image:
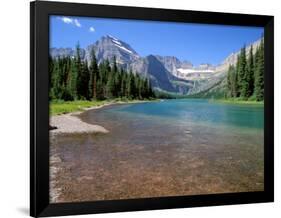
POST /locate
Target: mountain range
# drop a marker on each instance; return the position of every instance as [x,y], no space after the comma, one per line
[166,73]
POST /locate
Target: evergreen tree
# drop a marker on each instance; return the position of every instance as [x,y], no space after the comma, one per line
[117,82]
[73,78]
[114,69]
[71,85]
[238,87]
[123,82]
[259,73]
[51,75]
[242,83]
[75,74]
[234,80]
[55,79]
[139,86]
[110,86]
[103,71]
[84,81]
[93,75]
[80,71]
[130,86]
[249,77]
[229,84]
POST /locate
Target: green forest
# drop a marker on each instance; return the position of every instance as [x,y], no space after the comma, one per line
[75,79]
[246,80]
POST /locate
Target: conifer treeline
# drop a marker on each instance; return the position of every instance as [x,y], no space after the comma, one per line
[246,79]
[73,79]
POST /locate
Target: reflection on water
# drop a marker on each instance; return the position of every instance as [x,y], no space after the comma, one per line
[178,147]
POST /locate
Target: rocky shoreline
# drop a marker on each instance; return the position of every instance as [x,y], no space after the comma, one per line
[68,123]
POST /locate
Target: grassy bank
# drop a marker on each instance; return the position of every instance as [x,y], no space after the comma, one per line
[63,107]
[237,101]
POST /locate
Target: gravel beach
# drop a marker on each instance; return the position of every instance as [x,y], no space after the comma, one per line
[68,123]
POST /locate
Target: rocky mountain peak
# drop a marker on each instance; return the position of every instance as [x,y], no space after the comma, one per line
[109,47]
[166,73]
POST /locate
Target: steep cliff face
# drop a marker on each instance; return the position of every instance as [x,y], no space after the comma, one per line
[160,74]
[166,73]
[171,63]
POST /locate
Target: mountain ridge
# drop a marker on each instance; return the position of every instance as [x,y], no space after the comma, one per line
[166,73]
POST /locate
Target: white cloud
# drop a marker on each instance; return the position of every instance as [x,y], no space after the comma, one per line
[92,29]
[67,20]
[77,23]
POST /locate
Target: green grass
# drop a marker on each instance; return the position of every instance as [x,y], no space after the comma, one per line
[62,107]
[237,101]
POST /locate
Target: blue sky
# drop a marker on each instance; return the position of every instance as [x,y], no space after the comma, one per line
[198,43]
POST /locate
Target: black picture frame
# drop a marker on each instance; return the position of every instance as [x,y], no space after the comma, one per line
[39,108]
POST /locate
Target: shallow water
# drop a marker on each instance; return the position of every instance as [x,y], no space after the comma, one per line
[169,148]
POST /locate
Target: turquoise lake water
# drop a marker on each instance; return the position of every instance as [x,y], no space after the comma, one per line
[165,148]
[196,110]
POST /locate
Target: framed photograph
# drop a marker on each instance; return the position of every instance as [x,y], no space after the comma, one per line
[144,108]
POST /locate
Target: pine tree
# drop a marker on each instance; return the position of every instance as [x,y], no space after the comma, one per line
[110,86]
[72,78]
[123,82]
[117,82]
[147,89]
[114,69]
[51,74]
[131,90]
[69,96]
[234,83]
[242,83]
[103,72]
[259,73]
[249,77]
[85,76]
[229,82]
[100,94]
[93,75]
[71,85]
[75,74]
[129,86]
[237,75]
[56,88]
[79,68]
[139,86]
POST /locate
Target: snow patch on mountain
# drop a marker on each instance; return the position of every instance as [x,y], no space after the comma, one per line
[125,49]
[188,71]
[116,42]
[112,37]
[194,74]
